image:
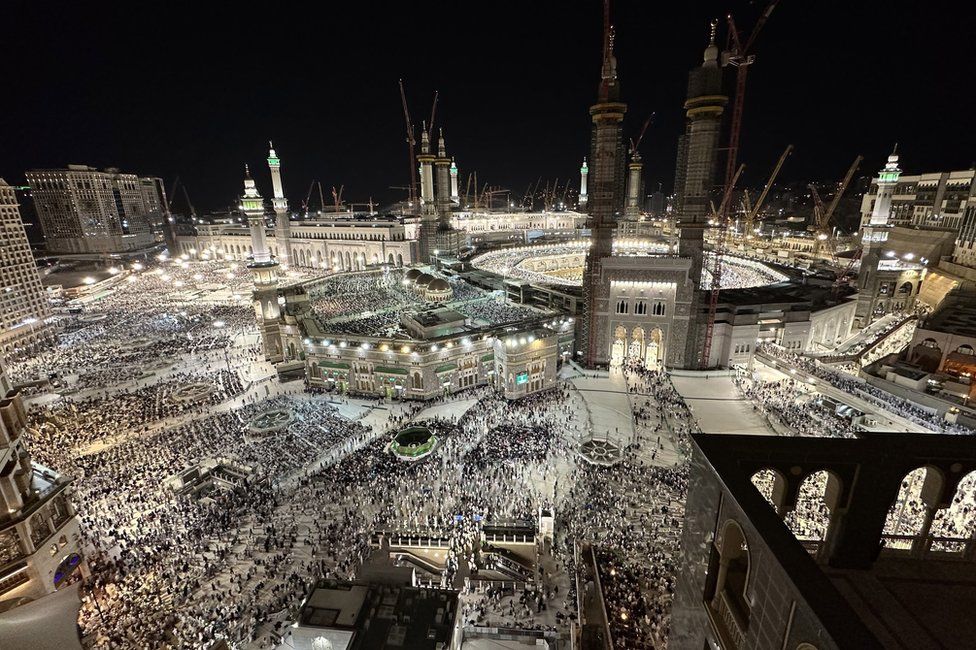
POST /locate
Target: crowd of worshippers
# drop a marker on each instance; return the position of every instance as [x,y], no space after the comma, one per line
[185,571]
[370,304]
[860,388]
[152,552]
[106,414]
[788,403]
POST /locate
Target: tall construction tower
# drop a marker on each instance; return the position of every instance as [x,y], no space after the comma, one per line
[448,240]
[699,156]
[282,224]
[606,199]
[265,272]
[428,207]
[700,142]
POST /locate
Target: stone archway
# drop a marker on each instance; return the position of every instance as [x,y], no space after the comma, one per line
[635,350]
[619,346]
[654,352]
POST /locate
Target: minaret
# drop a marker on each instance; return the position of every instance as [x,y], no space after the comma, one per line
[584,172]
[700,145]
[265,272]
[634,168]
[428,208]
[252,205]
[887,180]
[873,235]
[448,240]
[282,224]
[455,198]
[607,156]
[442,167]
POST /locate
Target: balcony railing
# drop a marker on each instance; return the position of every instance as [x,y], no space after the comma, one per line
[942,548]
[735,627]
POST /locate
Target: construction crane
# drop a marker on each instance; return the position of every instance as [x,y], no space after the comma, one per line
[741,57]
[823,216]
[308,198]
[433,112]
[647,123]
[411,146]
[717,252]
[337,197]
[751,212]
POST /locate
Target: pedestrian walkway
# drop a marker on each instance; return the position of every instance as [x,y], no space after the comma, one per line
[719,407]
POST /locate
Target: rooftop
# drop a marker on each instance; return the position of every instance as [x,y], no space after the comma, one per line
[381,616]
[862,599]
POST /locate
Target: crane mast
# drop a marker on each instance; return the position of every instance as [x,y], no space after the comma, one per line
[411,146]
[753,211]
[741,57]
[824,216]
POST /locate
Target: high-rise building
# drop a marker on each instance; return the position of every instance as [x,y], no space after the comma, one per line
[933,200]
[23,302]
[698,154]
[428,209]
[85,210]
[606,195]
[40,545]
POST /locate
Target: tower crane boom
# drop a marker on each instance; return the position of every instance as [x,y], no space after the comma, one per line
[753,211]
[411,144]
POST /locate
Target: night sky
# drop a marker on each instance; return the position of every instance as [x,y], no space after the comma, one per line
[167,88]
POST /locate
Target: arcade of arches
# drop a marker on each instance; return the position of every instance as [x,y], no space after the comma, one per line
[637,345]
[916,523]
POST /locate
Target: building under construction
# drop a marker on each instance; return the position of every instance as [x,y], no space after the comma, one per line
[656,309]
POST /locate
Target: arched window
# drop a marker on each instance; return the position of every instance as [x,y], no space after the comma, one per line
[765,482]
[623,306]
[729,599]
[640,307]
[809,518]
[953,526]
[906,515]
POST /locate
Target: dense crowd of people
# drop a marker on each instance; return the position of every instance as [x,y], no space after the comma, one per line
[370,304]
[928,418]
[156,389]
[563,264]
[791,407]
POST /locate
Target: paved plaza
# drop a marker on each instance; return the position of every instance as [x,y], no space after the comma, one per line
[718,405]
